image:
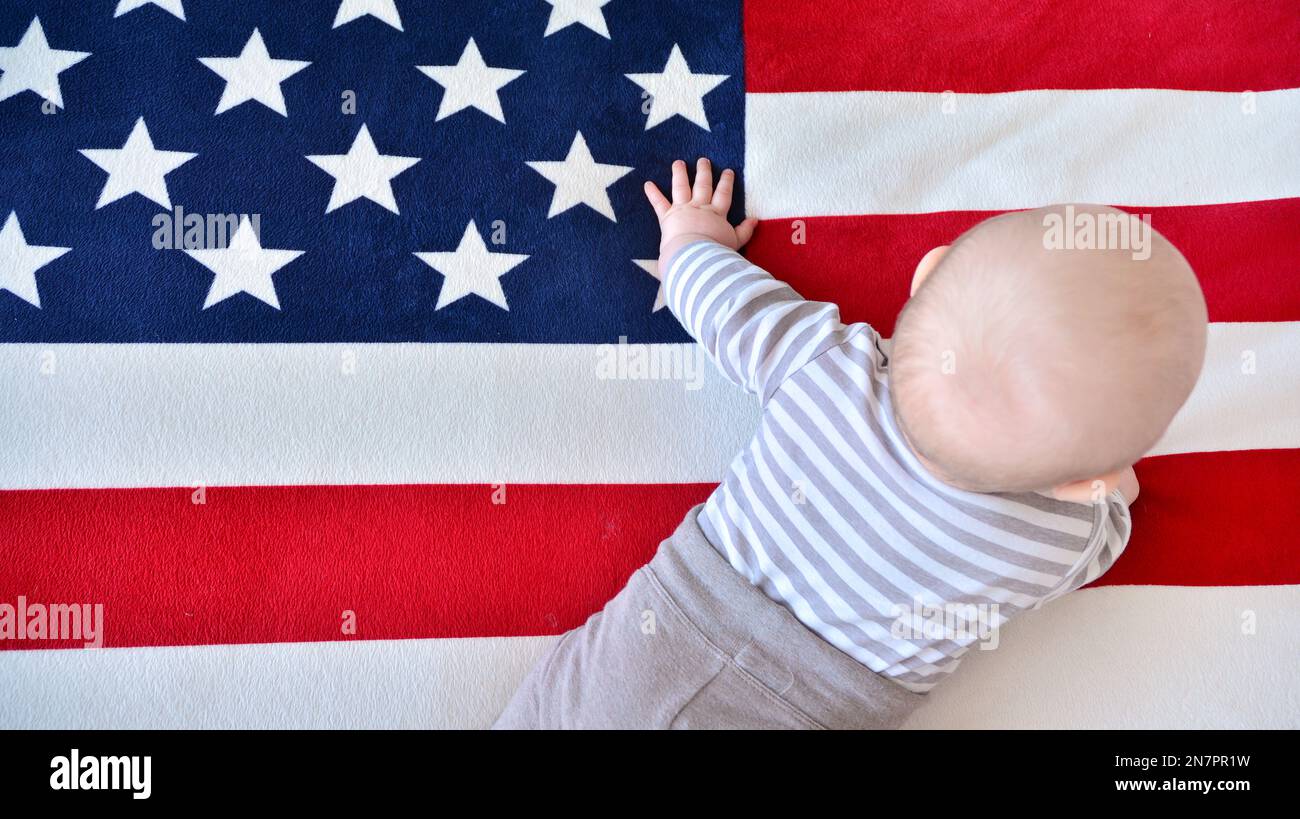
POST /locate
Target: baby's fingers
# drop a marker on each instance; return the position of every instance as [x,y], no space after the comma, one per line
[703,182]
[722,196]
[681,184]
[745,231]
[657,199]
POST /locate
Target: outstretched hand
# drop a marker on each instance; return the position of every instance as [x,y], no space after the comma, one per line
[697,213]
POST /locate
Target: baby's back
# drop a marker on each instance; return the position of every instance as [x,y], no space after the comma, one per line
[828,510]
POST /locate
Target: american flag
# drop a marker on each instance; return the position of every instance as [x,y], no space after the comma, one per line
[308,309]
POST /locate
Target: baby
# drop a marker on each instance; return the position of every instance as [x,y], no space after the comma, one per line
[898,503]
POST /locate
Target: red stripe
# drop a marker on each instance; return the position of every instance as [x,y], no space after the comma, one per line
[281,564]
[1244,253]
[1012,45]
[1214,519]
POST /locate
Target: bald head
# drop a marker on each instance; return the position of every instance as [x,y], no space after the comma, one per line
[1047,346]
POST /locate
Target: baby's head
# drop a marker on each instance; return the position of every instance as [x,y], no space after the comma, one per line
[1023,362]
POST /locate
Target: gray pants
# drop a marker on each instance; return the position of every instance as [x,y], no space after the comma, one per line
[689,643]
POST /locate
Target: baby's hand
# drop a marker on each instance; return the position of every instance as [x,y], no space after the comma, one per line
[697,214]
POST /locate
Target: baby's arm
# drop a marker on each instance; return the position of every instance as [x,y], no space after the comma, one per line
[758,330]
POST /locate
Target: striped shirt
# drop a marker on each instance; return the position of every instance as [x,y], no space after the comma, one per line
[829,512]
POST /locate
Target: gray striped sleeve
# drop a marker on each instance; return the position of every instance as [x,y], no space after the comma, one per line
[756,329]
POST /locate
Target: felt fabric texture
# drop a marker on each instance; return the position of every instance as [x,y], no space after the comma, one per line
[175,415]
[1004,45]
[1244,255]
[1118,657]
[1004,151]
[358,279]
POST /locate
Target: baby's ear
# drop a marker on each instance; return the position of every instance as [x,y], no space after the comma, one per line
[1089,490]
[927,264]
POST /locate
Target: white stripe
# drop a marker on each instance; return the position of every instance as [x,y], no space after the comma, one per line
[284,414]
[1249,393]
[365,684]
[1060,667]
[183,415]
[1134,657]
[849,153]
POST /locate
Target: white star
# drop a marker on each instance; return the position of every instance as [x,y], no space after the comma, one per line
[33,66]
[19,261]
[174,6]
[651,266]
[676,91]
[362,172]
[253,75]
[581,180]
[136,167]
[565,13]
[472,270]
[470,83]
[243,266]
[385,10]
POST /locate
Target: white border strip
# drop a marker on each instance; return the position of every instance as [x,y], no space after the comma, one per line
[1116,657]
[850,153]
[268,415]
[366,684]
[1135,657]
